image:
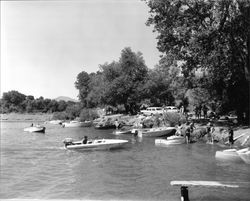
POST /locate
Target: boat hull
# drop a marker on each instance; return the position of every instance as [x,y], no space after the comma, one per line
[228,155]
[55,122]
[159,132]
[118,132]
[101,126]
[103,144]
[173,140]
[35,129]
[76,124]
[245,155]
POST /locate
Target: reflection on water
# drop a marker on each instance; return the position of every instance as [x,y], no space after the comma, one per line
[35,165]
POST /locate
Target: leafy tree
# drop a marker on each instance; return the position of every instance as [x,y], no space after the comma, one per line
[97,90]
[73,111]
[88,114]
[62,105]
[156,89]
[13,100]
[212,36]
[124,87]
[81,84]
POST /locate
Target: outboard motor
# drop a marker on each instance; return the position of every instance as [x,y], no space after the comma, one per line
[68,141]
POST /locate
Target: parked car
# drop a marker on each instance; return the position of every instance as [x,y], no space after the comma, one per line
[231,116]
[152,111]
[171,109]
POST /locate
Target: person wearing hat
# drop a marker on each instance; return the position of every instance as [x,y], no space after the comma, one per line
[85,140]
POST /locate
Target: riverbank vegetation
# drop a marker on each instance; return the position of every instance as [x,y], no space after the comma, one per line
[205,60]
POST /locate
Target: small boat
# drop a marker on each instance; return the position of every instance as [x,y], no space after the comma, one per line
[97,144]
[73,124]
[104,126]
[36,128]
[228,155]
[122,131]
[244,154]
[158,132]
[137,130]
[55,122]
[172,140]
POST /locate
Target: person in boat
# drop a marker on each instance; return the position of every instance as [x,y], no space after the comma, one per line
[85,140]
[231,136]
[187,133]
[31,125]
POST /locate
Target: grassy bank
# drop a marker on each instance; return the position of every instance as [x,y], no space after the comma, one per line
[26,117]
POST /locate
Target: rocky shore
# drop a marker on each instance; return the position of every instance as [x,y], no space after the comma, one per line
[199,134]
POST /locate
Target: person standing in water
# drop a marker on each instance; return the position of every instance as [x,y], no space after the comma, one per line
[187,133]
[179,130]
[117,124]
[231,136]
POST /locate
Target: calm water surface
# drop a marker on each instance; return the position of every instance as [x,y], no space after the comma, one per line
[36,166]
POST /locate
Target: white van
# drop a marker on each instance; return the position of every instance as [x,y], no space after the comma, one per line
[152,111]
[171,109]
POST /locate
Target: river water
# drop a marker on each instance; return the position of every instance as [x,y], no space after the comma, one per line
[36,166]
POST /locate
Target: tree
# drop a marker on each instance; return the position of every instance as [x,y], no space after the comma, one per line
[82,84]
[212,36]
[127,76]
[13,100]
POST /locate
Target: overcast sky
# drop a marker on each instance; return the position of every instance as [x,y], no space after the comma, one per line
[46,44]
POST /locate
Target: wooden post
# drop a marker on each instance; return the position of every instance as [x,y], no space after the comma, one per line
[184,193]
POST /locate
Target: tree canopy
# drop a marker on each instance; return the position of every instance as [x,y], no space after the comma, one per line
[212,36]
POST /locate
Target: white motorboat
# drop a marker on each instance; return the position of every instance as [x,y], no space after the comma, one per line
[97,144]
[244,154]
[73,124]
[158,132]
[172,140]
[122,131]
[36,128]
[228,155]
[55,122]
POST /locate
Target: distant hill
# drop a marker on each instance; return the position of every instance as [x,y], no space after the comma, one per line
[65,98]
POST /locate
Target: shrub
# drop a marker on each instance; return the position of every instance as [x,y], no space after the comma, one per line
[60,116]
[173,118]
[88,114]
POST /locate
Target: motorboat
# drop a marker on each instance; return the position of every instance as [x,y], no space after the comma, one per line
[158,132]
[36,128]
[102,125]
[56,122]
[137,130]
[122,131]
[228,155]
[244,154]
[73,124]
[96,144]
[172,140]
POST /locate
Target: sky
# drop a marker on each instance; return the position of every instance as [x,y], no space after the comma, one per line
[46,44]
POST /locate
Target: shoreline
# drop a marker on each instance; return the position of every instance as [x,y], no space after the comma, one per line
[44,117]
[25,117]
